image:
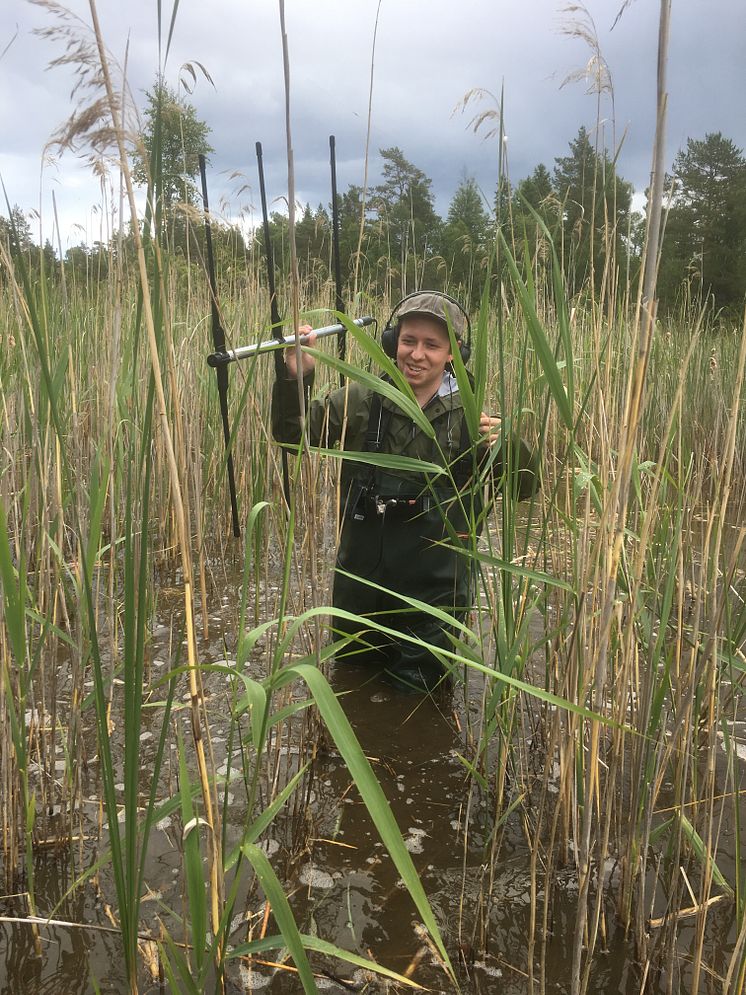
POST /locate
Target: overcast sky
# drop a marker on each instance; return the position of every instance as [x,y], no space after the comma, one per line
[429,53]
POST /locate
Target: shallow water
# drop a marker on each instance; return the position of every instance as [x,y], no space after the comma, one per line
[360,905]
[344,886]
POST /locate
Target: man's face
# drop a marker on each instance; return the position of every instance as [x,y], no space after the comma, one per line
[423,352]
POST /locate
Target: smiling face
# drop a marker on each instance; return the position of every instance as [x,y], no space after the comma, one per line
[423,351]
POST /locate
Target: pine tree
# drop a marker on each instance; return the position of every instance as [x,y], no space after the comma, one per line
[350,211]
[705,238]
[405,206]
[536,194]
[466,239]
[15,230]
[595,209]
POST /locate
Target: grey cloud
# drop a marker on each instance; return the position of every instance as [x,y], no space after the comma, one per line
[428,54]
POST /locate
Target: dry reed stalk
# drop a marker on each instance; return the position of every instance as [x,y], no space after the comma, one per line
[736,973]
[619,503]
[193,447]
[304,471]
[294,275]
[643,690]
[216,884]
[719,514]
[358,252]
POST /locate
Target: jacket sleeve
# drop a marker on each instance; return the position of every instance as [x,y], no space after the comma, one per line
[513,468]
[286,407]
[325,416]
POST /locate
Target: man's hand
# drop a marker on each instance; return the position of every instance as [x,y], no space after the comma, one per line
[489,426]
[308,361]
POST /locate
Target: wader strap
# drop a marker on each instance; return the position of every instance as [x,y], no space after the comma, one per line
[378,425]
[463,466]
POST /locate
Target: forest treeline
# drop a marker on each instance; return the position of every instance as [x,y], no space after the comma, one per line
[392,239]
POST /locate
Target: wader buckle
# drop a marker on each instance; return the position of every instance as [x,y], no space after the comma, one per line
[407,506]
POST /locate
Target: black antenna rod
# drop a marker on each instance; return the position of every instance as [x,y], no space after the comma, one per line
[339,302]
[274,310]
[218,338]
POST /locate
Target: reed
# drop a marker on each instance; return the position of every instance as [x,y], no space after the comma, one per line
[678,628]
[607,644]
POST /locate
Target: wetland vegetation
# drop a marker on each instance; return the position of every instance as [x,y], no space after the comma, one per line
[192,799]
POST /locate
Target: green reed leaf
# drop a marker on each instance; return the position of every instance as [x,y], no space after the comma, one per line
[370,791]
[192,861]
[539,339]
[386,461]
[701,852]
[405,401]
[282,913]
[320,946]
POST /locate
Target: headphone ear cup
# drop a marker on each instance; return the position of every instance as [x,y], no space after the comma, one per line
[465,350]
[389,339]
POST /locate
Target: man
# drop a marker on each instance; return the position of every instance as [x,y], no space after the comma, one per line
[397,526]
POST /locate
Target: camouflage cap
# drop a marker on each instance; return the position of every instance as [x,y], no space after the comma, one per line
[432,303]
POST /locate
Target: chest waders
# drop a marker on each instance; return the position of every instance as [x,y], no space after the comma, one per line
[392,533]
[395,526]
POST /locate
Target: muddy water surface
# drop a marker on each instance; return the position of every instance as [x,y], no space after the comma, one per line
[344,886]
[352,894]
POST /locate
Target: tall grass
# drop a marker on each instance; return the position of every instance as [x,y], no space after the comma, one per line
[148,436]
[607,645]
[675,664]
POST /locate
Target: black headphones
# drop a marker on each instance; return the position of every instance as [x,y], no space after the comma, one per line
[390,333]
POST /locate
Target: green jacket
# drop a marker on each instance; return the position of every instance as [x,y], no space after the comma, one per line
[326,422]
[395,522]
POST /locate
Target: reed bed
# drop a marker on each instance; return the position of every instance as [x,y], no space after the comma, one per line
[90,541]
[607,648]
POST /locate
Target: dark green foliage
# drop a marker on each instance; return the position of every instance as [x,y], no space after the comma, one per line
[404,206]
[350,212]
[175,137]
[535,195]
[595,211]
[15,231]
[16,239]
[77,262]
[467,240]
[167,161]
[393,240]
[312,242]
[537,188]
[705,235]
[400,244]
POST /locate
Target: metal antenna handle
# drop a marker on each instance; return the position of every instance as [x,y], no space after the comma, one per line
[217,359]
